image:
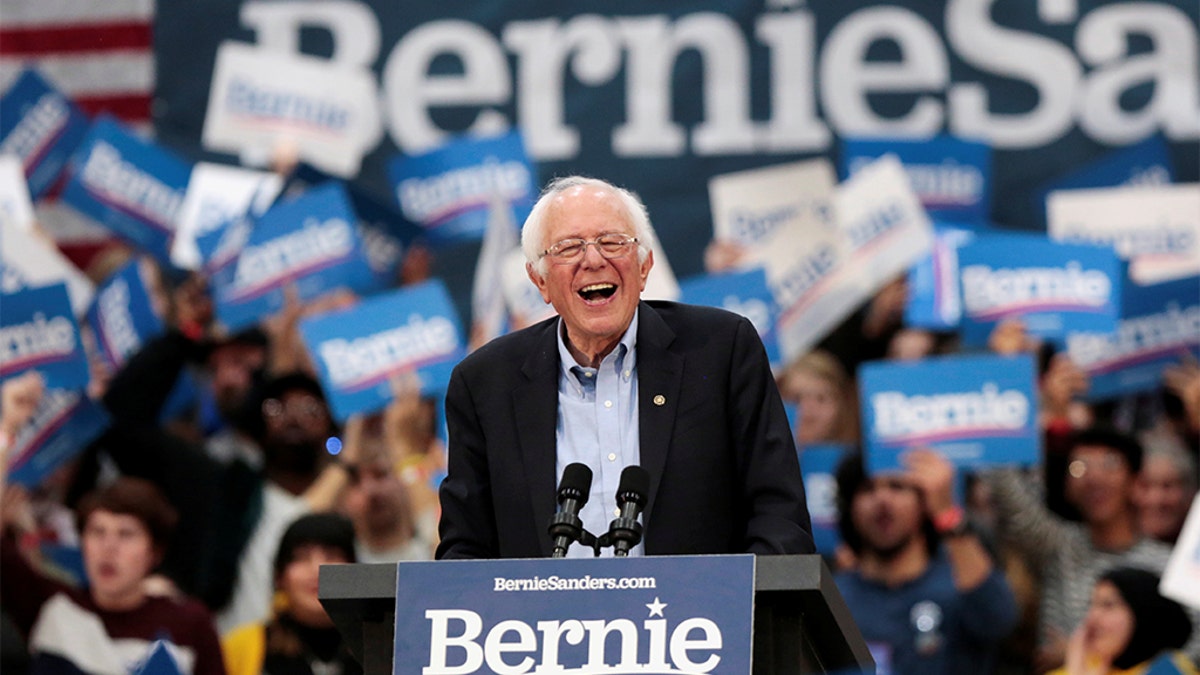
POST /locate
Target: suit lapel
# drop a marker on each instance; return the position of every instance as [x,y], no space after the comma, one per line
[535,405]
[660,373]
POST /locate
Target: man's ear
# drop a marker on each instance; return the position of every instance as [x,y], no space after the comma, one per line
[537,281]
[645,268]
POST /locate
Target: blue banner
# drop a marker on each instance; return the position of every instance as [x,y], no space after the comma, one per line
[358,351]
[1053,288]
[1144,163]
[41,127]
[951,176]
[310,241]
[122,317]
[448,191]
[38,332]
[131,186]
[818,465]
[975,410]
[934,299]
[678,614]
[63,425]
[744,293]
[662,96]
[1159,328]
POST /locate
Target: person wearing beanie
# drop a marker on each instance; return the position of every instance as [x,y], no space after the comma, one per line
[1128,627]
[300,638]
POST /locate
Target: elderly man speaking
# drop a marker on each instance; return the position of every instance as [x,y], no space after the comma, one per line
[612,381]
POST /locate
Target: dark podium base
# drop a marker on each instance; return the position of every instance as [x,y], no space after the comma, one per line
[801,623]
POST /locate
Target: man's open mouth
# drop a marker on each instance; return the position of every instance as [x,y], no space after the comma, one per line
[597,292]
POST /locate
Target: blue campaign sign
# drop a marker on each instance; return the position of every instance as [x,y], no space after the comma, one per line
[449,190]
[63,425]
[309,241]
[1054,288]
[934,299]
[122,317]
[951,176]
[976,410]
[1144,163]
[744,293]
[1159,328]
[41,127]
[653,615]
[131,186]
[358,351]
[385,232]
[818,465]
[38,332]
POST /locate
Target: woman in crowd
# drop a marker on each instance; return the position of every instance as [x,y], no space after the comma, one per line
[1128,627]
[300,638]
[819,386]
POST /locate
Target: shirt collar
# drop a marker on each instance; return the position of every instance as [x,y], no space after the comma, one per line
[626,355]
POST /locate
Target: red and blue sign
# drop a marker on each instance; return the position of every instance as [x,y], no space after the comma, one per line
[976,410]
[360,350]
[310,242]
[1052,288]
[131,186]
[449,191]
[38,332]
[1159,328]
[41,127]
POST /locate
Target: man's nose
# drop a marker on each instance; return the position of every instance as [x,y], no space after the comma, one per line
[592,256]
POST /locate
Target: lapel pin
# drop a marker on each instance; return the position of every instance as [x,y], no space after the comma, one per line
[660,399]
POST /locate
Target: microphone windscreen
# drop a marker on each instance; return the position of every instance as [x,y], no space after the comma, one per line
[576,482]
[635,484]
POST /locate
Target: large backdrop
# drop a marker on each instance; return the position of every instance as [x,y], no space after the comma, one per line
[659,96]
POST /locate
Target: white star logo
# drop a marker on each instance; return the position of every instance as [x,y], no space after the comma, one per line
[656,607]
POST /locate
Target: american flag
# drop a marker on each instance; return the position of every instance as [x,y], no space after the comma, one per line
[98,52]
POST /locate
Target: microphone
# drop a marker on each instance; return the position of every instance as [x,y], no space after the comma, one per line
[565,526]
[625,532]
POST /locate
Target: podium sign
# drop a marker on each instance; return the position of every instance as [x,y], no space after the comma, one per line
[689,614]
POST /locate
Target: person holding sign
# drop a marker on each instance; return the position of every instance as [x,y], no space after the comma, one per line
[1102,465]
[925,593]
[685,392]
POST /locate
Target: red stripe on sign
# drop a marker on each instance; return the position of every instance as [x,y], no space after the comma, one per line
[42,40]
[127,107]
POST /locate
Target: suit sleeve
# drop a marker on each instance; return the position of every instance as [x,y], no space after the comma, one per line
[468,526]
[778,520]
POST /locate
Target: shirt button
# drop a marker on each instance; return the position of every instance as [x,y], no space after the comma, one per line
[617,512]
[587,374]
[627,374]
[612,456]
[608,404]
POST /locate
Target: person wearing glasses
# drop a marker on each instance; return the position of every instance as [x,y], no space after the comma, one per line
[684,392]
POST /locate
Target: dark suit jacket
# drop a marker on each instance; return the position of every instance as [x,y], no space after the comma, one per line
[724,476]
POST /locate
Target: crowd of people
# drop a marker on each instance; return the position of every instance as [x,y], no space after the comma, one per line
[205,527]
[1017,578]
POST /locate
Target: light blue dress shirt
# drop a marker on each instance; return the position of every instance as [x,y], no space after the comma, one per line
[598,426]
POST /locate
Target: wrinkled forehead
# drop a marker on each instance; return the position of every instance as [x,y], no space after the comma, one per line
[586,210]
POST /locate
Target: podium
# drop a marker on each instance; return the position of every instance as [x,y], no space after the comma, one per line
[801,623]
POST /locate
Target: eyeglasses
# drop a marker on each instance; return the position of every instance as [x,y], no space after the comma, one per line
[302,407]
[1079,468]
[567,251]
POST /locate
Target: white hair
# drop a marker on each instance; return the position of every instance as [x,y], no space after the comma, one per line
[533,233]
